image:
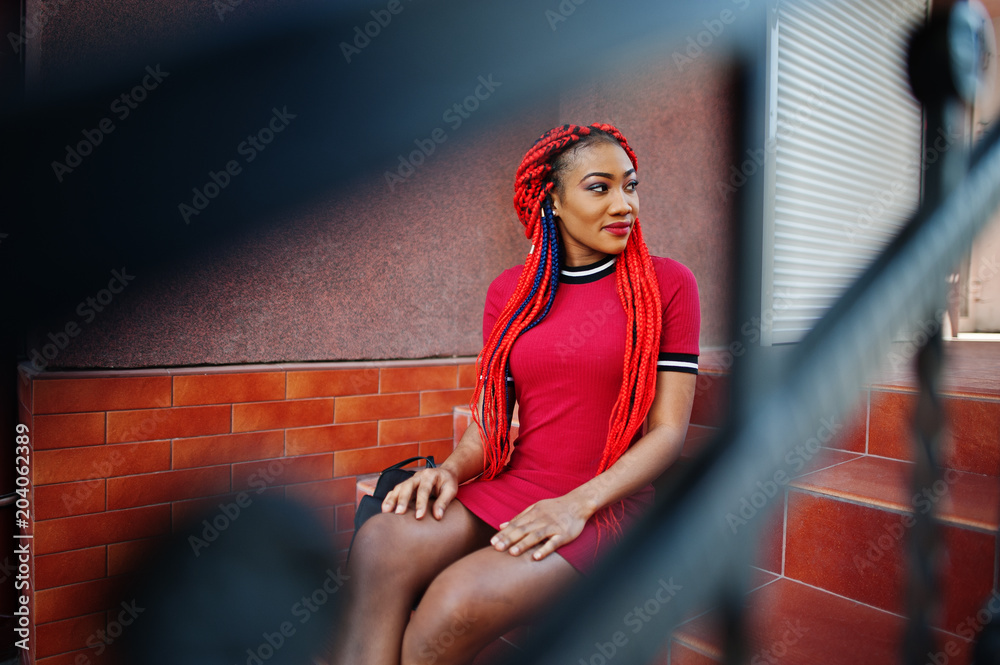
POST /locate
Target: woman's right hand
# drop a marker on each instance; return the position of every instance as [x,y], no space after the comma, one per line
[438,482]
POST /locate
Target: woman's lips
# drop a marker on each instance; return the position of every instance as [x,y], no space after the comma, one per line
[619,228]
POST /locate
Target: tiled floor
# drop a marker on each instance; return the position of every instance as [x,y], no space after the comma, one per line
[842,546]
[795,624]
[972,368]
[968,499]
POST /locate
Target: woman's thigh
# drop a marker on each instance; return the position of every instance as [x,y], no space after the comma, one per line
[479,598]
[393,546]
[393,559]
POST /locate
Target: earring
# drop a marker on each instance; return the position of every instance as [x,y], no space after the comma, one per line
[547,209]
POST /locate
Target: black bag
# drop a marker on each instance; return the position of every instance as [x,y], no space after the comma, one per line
[387,479]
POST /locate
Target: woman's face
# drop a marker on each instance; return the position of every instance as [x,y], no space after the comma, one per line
[597,204]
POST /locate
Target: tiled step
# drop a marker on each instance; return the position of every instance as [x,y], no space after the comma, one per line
[970,389]
[972,435]
[791,623]
[838,547]
[846,529]
[970,370]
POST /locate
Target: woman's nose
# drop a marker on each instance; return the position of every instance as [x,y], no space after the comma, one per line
[621,204]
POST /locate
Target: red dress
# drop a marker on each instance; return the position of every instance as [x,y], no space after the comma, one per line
[567,373]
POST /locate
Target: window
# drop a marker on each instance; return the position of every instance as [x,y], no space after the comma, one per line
[843,151]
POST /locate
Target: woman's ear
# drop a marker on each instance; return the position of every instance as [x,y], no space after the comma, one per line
[554,202]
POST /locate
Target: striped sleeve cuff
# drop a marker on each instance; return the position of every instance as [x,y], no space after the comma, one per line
[677,362]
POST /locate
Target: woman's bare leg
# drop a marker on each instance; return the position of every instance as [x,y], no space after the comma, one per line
[479,598]
[393,560]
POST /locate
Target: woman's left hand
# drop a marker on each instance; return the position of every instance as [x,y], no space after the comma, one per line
[550,522]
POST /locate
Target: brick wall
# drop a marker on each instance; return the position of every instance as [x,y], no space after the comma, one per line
[121,460]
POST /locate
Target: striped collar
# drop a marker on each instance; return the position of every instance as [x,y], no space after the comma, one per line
[588,273]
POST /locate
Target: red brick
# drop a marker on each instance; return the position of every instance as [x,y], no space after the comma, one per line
[345,517]
[227,448]
[167,486]
[228,388]
[307,440]
[415,379]
[61,636]
[192,511]
[376,407]
[409,430]
[323,493]
[73,533]
[332,383]
[327,517]
[65,499]
[443,401]
[66,431]
[280,415]
[54,570]
[132,555]
[117,394]
[440,449]
[70,464]
[371,460]
[74,600]
[364,486]
[147,425]
[467,376]
[283,471]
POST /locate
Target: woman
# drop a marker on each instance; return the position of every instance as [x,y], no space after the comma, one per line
[596,337]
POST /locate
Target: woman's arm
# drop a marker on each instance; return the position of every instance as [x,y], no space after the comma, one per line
[467,460]
[464,463]
[555,522]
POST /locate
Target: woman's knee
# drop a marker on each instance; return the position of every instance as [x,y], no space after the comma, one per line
[380,546]
[400,548]
[445,622]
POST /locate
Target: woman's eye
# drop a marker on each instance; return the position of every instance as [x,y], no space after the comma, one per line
[632,185]
[598,187]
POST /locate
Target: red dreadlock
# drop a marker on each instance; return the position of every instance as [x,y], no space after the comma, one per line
[638,291]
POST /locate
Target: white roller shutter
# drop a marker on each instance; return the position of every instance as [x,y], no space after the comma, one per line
[843,151]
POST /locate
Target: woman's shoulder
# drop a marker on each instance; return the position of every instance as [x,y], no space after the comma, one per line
[504,284]
[510,274]
[672,274]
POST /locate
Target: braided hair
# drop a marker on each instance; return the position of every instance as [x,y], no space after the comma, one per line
[536,288]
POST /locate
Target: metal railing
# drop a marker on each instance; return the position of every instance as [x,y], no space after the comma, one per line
[684,547]
[685,541]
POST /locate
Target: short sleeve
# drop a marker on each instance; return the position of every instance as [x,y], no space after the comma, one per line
[681,317]
[497,295]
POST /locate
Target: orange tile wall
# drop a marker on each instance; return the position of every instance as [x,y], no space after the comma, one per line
[121,460]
